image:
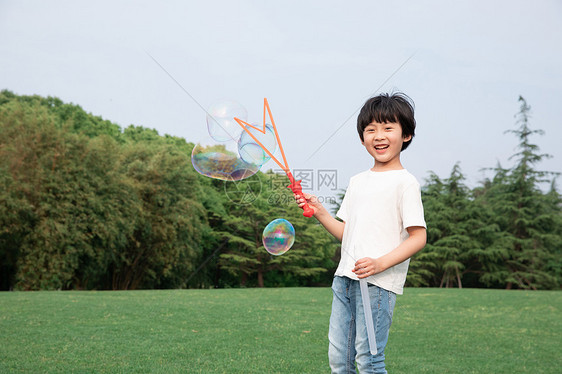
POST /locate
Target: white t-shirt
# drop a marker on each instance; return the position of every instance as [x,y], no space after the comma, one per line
[377,209]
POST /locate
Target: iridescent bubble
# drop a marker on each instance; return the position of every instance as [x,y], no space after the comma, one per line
[249,149]
[221,161]
[278,236]
[220,120]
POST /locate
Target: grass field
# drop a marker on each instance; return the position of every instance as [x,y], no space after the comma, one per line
[272,331]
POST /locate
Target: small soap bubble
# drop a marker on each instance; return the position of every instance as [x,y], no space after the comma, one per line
[250,151]
[220,120]
[221,160]
[278,236]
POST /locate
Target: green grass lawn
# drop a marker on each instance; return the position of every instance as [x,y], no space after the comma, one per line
[272,331]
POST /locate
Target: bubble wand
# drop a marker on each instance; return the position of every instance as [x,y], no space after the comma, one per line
[295,185]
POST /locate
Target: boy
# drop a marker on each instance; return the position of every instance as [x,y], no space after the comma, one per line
[382,227]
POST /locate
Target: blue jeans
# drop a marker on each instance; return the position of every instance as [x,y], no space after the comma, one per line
[348,332]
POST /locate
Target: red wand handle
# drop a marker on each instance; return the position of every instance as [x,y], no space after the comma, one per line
[295,186]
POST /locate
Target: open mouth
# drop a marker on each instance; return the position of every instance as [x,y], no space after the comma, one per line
[381,147]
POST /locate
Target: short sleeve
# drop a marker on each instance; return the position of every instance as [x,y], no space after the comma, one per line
[343,211]
[411,207]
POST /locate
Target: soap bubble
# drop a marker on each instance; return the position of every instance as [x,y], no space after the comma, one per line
[278,236]
[220,120]
[229,153]
[221,160]
[249,149]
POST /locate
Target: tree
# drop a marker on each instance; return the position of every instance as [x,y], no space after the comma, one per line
[452,221]
[85,211]
[64,114]
[56,177]
[166,233]
[528,243]
[243,227]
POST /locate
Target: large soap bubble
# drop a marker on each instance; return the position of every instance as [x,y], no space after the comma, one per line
[221,160]
[220,120]
[278,236]
[229,153]
[249,149]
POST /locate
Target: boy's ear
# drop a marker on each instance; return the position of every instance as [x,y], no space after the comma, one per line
[407,138]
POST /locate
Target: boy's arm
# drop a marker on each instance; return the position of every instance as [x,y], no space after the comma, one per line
[332,225]
[416,241]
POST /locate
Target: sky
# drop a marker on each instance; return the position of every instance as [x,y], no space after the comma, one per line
[463,63]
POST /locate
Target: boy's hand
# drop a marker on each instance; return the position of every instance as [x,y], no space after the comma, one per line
[366,267]
[331,224]
[311,200]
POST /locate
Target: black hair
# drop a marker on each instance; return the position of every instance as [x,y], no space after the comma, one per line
[385,108]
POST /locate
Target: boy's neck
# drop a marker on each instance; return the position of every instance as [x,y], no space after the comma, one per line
[381,166]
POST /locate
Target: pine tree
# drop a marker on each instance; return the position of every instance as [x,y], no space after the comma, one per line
[452,218]
[528,240]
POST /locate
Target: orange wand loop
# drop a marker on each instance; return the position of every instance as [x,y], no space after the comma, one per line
[295,185]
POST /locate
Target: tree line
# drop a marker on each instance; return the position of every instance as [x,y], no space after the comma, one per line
[86,204]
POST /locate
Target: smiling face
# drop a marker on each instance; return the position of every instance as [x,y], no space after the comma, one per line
[384,142]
